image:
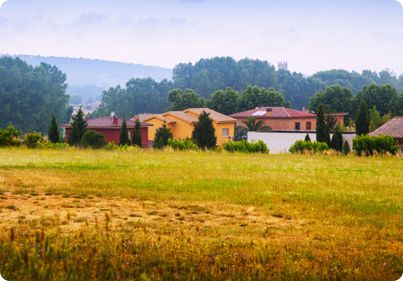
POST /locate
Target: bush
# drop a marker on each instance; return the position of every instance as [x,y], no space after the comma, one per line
[367,145]
[93,139]
[246,147]
[346,148]
[9,136]
[33,139]
[162,135]
[182,144]
[308,147]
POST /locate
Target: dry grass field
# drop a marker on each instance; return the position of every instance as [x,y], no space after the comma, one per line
[150,215]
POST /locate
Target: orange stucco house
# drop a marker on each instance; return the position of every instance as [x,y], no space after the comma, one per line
[181,124]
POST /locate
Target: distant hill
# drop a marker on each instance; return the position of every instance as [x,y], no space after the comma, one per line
[87,78]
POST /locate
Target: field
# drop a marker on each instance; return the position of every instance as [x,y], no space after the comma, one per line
[149,215]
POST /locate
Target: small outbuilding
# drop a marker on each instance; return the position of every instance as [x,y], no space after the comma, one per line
[393,128]
[111,127]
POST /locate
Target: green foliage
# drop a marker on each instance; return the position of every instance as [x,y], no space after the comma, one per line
[334,98]
[162,136]
[362,120]
[255,96]
[92,139]
[204,133]
[9,136]
[29,95]
[254,125]
[225,101]
[384,97]
[186,144]
[33,139]
[308,147]
[375,119]
[183,99]
[124,134]
[307,138]
[137,134]
[246,147]
[346,148]
[337,142]
[241,133]
[367,145]
[79,127]
[53,132]
[322,127]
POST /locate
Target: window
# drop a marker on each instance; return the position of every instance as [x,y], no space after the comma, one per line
[225,132]
[308,125]
[298,126]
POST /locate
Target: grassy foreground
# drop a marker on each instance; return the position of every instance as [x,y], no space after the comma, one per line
[147,215]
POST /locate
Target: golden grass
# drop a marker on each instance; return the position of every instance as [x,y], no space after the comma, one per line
[150,215]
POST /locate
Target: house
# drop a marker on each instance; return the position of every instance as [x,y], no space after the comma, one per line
[285,119]
[111,127]
[393,128]
[181,123]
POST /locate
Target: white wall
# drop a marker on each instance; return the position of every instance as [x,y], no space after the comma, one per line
[280,142]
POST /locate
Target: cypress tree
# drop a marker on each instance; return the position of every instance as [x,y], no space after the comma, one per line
[346,148]
[162,135]
[337,141]
[137,134]
[53,133]
[322,129]
[124,135]
[74,135]
[307,138]
[204,133]
[375,119]
[361,121]
[79,126]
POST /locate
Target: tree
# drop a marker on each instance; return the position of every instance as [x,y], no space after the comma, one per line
[346,148]
[162,136]
[225,101]
[255,125]
[79,126]
[337,141]
[53,132]
[124,135]
[93,139]
[183,99]
[137,133]
[255,96]
[322,129]
[384,97]
[204,133]
[375,119]
[361,121]
[334,98]
[308,138]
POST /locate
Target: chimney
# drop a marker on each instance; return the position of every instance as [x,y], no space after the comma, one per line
[115,120]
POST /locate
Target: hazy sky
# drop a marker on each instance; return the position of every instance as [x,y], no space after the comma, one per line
[311,35]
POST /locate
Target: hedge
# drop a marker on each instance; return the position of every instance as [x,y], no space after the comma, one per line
[367,145]
[246,147]
[307,146]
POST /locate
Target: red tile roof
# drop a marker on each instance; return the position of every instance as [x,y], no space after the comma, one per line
[107,122]
[393,128]
[273,112]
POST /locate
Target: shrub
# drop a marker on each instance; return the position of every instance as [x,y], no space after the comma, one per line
[9,136]
[33,139]
[162,135]
[246,147]
[308,147]
[182,144]
[93,139]
[346,148]
[367,145]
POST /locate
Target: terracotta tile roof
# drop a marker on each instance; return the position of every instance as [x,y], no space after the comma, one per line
[107,122]
[182,115]
[216,116]
[393,128]
[160,117]
[273,112]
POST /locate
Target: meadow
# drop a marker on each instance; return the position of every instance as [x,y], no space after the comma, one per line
[163,215]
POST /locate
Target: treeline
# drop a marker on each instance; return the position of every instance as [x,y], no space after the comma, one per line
[29,95]
[224,84]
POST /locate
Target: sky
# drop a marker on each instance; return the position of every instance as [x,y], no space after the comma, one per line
[311,35]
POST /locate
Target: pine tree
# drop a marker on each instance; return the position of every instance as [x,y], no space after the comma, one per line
[307,138]
[162,135]
[79,126]
[204,133]
[124,135]
[322,128]
[375,119]
[337,141]
[53,133]
[361,121]
[137,134]
[346,148]
[74,135]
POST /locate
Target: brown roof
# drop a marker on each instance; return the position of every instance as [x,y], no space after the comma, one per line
[393,128]
[273,112]
[160,117]
[107,122]
[216,116]
[182,115]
